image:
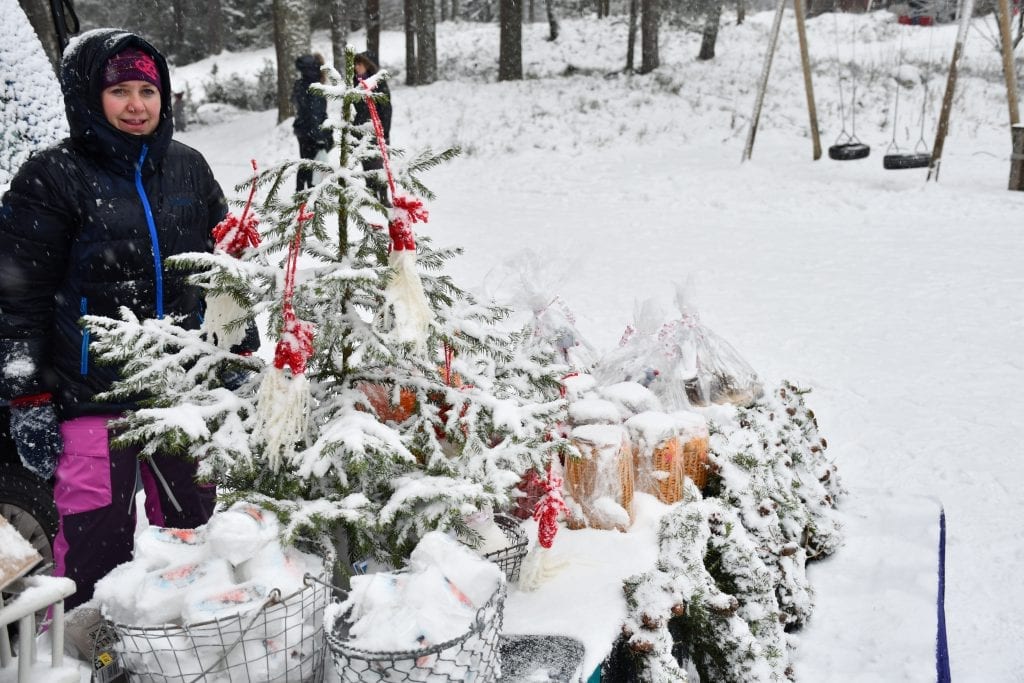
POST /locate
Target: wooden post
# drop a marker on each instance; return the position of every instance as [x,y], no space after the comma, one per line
[1009,72]
[805,61]
[765,70]
[966,12]
[1017,160]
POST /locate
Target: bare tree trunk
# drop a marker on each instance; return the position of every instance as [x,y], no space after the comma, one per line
[411,73]
[214,27]
[531,17]
[455,10]
[373,27]
[741,11]
[650,18]
[39,15]
[552,21]
[510,45]
[339,34]
[178,34]
[426,42]
[710,37]
[291,39]
[631,41]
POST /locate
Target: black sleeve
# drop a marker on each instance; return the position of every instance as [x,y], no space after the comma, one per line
[36,231]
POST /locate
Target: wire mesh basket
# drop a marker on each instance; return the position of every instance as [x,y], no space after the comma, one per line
[281,641]
[474,656]
[510,559]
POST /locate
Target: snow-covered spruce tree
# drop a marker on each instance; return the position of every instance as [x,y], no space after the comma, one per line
[710,600]
[31,109]
[769,465]
[731,572]
[402,436]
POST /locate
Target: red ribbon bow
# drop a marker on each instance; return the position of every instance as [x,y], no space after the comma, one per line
[234,235]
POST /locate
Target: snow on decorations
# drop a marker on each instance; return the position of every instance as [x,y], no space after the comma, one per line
[731,583]
[436,621]
[188,595]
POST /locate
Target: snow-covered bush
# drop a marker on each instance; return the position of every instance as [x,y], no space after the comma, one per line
[731,578]
[31,108]
[255,94]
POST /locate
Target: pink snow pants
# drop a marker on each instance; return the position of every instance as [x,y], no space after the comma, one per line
[94,489]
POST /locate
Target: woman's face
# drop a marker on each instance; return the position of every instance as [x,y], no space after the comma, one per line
[132,107]
[360,69]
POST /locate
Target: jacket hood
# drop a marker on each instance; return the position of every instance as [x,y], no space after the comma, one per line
[81,79]
[308,67]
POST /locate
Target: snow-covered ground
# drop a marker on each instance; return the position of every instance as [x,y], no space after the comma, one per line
[899,302]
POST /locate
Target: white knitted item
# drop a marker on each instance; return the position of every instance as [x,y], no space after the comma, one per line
[405,294]
[539,565]
[282,414]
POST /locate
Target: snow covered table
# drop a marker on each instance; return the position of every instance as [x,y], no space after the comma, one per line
[585,599]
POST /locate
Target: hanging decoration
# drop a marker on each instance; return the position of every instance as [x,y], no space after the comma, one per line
[539,565]
[232,236]
[283,400]
[404,291]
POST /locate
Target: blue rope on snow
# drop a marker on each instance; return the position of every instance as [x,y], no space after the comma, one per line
[941,646]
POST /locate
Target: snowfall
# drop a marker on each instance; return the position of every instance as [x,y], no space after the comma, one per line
[899,302]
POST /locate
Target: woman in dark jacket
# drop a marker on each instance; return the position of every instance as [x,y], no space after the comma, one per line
[366,67]
[86,228]
[310,114]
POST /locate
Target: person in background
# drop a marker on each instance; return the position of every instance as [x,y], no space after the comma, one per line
[180,112]
[366,66]
[310,114]
[85,228]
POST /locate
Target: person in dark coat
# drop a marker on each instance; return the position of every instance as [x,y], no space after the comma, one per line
[366,66]
[310,114]
[85,228]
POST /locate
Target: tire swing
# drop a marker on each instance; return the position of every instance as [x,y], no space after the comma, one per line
[921,157]
[847,146]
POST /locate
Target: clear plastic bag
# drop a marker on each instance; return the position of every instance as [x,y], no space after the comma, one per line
[679,359]
[526,283]
[712,371]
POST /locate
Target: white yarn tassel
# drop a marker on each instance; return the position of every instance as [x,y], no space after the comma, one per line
[539,565]
[282,415]
[221,311]
[405,294]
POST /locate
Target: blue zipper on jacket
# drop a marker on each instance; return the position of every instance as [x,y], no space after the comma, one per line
[157,262]
[85,339]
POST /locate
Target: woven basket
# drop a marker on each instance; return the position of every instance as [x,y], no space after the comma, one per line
[667,460]
[582,478]
[695,460]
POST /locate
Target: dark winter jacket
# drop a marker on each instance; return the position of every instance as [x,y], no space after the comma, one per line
[362,109]
[310,109]
[86,227]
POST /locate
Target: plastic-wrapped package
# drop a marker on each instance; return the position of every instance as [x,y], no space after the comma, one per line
[241,531]
[600,483]
[163,546]
[682,361]
[711,369]
[280,568]
[527,283]
[162,593]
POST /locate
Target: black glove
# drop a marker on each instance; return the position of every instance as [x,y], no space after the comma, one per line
[36,433]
